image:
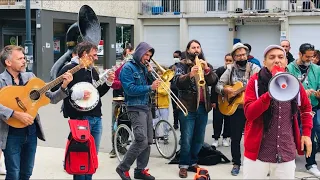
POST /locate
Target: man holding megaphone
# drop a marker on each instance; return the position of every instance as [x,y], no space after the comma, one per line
[272,134]
[309,75]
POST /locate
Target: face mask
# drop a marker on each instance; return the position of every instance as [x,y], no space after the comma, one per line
[176,60]
[242,63]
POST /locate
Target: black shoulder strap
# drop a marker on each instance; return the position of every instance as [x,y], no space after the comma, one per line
[306,74]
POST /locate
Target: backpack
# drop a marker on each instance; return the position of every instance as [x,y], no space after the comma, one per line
[201,174]
[80,155]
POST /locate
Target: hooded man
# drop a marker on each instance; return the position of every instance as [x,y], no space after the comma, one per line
[137,86]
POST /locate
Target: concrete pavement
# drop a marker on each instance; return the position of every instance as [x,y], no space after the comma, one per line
[50,153]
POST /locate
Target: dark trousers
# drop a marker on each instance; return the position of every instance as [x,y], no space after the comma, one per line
[19,156]
[176,109]
[237,122]
[314,132]
[139,151]
[218,119]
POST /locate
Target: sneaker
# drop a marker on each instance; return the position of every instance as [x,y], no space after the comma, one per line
[2,170]
[112,154]
[215,143]
[235,170]
[176,126]
[314,170]
[143,174]
[225,142]
[123,174]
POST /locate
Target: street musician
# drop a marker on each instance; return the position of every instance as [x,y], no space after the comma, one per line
[240,71]
[192,78]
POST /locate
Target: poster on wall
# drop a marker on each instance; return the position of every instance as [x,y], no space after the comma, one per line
[56,45]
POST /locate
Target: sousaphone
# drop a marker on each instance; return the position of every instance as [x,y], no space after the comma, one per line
[87,28]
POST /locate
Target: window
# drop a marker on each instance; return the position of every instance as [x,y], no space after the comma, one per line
[254,4]
[171,5]
[216,5]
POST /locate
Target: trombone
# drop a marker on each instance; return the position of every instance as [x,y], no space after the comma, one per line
[165,78]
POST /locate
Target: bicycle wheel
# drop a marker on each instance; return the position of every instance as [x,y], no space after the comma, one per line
[123,138]
[165,142]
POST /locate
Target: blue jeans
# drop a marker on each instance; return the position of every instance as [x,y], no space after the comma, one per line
[19,156]
[314,132]
[193,129]
[95,124]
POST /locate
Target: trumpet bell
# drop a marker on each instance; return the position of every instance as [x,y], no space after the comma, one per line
[167,75]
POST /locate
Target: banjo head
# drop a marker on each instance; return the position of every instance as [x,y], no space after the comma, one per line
[89,104]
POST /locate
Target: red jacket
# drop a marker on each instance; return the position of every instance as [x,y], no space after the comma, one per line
[116,83]
[253,110]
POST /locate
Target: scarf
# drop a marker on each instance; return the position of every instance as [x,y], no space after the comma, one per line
[264,77]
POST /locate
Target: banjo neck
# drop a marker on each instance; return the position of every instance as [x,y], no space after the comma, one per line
[103,76]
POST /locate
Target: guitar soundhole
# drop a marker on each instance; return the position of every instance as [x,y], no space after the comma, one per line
[34,95]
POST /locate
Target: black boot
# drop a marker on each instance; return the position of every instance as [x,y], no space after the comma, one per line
[143,174]
[123,174]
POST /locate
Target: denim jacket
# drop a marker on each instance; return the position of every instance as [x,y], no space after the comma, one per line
[134,79]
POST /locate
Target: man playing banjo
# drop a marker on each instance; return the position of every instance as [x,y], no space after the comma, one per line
[91,76]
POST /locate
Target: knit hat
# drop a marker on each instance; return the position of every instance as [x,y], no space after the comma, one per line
[238,46]
[273,47]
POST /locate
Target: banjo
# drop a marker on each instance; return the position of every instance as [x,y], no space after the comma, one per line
[93,100]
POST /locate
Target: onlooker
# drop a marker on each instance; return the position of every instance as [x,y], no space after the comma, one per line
[316,57]
[218,117]
[285,44]
[309,73]
[176,110]
[251,58]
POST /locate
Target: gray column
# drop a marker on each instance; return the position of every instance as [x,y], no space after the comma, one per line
[44,44]
[109,46]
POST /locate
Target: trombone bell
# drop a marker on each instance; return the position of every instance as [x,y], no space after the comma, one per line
[167,75]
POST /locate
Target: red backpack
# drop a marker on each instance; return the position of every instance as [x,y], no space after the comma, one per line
[80,155]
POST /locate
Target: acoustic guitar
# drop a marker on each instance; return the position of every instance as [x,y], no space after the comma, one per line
[228,104]
[30,97]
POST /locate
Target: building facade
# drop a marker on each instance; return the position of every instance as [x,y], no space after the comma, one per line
[50,20]
[168,25]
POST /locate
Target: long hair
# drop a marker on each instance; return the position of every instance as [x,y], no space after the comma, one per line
[188,56]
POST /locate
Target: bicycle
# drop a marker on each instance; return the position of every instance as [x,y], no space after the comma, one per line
[124,136]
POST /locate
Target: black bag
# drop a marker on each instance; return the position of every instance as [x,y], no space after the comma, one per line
[207,156]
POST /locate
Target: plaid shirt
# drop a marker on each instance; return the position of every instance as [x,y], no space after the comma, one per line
[278,143]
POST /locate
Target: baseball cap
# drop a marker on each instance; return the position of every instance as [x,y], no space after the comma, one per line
[273,47]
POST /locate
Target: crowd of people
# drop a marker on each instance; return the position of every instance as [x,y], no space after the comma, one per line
[274,131]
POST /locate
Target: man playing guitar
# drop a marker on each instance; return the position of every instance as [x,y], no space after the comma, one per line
[86,75]
[19,144]
[241,70]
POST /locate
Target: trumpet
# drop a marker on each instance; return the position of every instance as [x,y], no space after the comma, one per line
[200,75]
[166,88]
[167,75]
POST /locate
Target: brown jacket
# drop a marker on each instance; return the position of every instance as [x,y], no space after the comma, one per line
[189,91]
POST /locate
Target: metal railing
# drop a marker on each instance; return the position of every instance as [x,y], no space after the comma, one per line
[175,7]
[304,6]
[159,7]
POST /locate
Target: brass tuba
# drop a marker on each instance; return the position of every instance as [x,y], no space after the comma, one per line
[87,28]
[200,75]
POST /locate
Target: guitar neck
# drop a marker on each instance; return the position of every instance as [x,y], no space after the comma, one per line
[241,90]
[58,80]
